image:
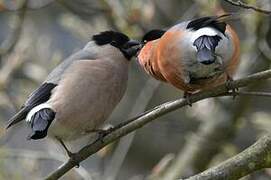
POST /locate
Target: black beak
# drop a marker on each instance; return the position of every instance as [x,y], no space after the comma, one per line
[131,43]
[132,47]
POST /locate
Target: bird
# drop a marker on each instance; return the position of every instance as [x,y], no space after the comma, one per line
[193,55]
[81,92]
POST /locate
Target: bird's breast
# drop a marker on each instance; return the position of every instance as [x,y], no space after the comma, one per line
[147,59]
[86,95]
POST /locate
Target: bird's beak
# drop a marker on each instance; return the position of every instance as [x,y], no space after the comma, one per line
[132,47]
[132,43]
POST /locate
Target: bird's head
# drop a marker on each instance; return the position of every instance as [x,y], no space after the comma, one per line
[152,35]
[122,42]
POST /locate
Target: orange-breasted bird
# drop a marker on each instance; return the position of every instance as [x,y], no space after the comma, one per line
[192,55]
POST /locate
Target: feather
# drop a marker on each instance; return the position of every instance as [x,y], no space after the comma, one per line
[40,123]
[18,116]
[39,96]
[153,35]
[216,22]
[209,42]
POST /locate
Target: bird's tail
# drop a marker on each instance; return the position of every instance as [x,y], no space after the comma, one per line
[228,17]
[40,119]
[21,115]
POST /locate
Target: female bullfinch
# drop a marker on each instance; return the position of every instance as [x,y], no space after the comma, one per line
[80,93]
[192,55]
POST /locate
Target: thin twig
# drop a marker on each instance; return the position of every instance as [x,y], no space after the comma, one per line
[247,6]
[142,120]
[249,93]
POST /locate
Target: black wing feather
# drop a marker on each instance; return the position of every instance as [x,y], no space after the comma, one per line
[216,22]
[40,95]
[153,35]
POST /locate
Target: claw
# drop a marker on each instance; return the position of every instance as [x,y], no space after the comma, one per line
[186,96]
[230,88]
[101,132]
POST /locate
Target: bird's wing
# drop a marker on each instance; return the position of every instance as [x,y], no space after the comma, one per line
[217,22]
[40,95]
[86,53]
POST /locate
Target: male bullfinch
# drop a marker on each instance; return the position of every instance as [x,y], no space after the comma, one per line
[192,55]
[80,93]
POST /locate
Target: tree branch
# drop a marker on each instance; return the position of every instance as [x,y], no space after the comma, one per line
[246,6]
[252,159]
[131,125]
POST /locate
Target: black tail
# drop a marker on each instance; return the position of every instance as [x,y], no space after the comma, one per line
[40,122]
[21,115]
[206,48]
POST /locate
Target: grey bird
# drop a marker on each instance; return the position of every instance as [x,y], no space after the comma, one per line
[81,92]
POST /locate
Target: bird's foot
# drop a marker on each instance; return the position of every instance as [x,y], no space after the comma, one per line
[101,133]
[186,96]
[72,156]
[230,88]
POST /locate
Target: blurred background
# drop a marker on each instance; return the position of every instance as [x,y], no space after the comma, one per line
[36,35]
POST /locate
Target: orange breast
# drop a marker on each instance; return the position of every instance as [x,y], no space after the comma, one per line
[148,60]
